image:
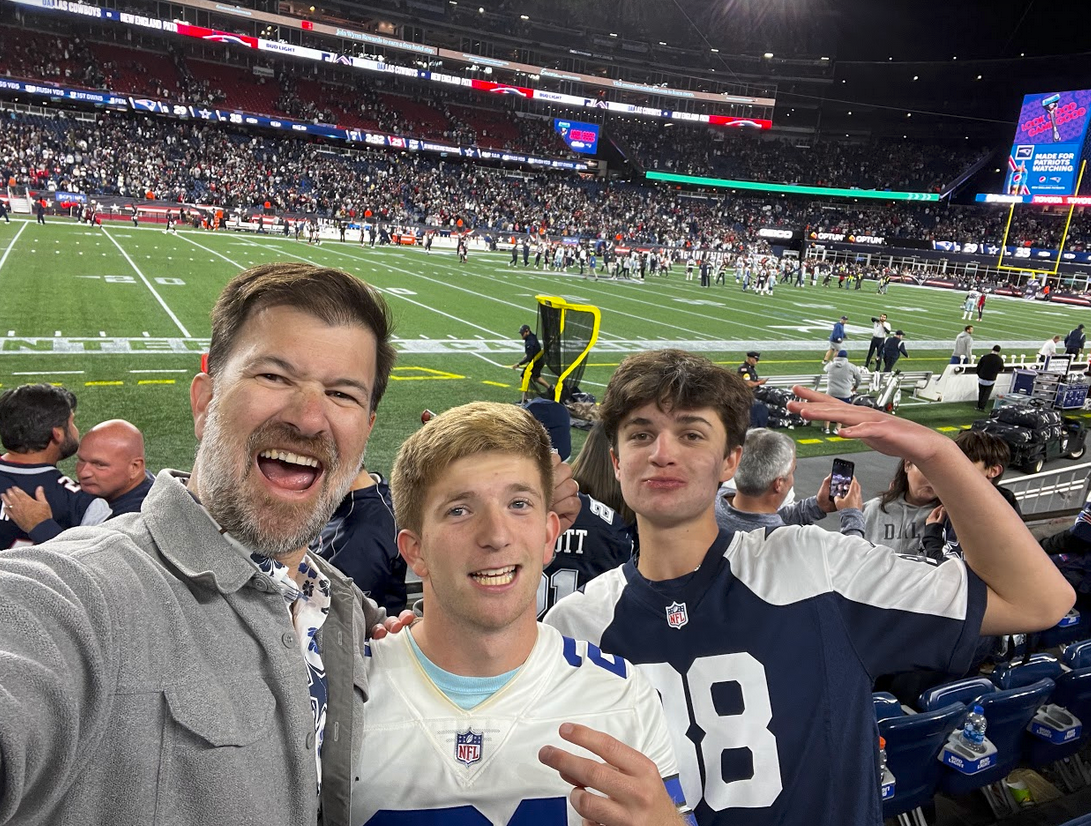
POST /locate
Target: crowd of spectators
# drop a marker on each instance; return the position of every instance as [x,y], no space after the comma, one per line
[146,158]
[895,165]
[331,93]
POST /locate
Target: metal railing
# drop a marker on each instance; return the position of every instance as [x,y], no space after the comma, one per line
[1059,491]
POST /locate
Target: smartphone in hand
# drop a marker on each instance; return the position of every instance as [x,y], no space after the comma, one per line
[841,478]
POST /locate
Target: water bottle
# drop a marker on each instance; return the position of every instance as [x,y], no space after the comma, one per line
[882,759]
[973,730]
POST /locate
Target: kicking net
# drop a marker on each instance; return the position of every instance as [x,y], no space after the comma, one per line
[567,332]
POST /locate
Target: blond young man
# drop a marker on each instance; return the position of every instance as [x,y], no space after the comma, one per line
[477,697]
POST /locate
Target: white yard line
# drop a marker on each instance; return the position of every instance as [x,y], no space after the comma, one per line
[12,244]
[148,284]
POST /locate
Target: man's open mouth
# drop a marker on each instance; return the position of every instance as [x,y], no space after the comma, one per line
[495,576]
[287,470]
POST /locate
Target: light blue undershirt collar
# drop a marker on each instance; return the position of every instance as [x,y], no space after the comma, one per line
[464,692]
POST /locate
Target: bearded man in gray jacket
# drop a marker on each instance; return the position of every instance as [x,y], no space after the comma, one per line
[192,663]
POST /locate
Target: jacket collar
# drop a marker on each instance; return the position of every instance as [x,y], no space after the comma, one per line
[189,538]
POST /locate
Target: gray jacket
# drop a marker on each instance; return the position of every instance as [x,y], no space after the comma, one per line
[841,377]
[804,512]
[964,346]
[151,675]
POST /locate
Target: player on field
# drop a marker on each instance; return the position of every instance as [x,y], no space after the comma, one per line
[470,707]
[37,429]
[764,645]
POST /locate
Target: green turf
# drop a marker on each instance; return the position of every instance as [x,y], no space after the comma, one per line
[151,293]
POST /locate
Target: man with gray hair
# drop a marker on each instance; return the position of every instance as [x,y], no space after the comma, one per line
[766,473]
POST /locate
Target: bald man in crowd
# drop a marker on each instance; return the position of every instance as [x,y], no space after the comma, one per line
[109,465]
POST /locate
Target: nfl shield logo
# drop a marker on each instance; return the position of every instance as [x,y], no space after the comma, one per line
[677,615]
[468,747]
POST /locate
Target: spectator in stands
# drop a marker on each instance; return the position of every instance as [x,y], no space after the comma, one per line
[473,491]
[593,470]
[175,590]
[38,430]
[893,349]
[990,455]
[842,379]
[988,368]
[772,610]
[765,476]
[1049,349]
[1074,342]
[964,346]
[361,539]
[897,517]
[110,465]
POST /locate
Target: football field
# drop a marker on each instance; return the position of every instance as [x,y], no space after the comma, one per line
[121,316]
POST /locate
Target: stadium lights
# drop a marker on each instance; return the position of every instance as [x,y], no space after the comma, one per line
[523,17]
[916,77]
[613,34]
[979,77]
[715,51]
[768,55]
[662,43]
[823,58]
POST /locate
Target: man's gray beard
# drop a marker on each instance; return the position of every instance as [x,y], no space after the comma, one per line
[223,497]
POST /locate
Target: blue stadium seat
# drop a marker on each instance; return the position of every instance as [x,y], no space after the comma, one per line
[1056,636]
[913,743]
[965,691]
[1008,713]
[1017,674]
[1077,690]
[886,705]
[1077,654]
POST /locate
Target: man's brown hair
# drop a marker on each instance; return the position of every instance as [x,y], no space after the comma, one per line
[478,427]
[677,380]
[332,296]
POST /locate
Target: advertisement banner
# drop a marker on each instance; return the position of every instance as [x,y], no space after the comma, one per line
[1045,155]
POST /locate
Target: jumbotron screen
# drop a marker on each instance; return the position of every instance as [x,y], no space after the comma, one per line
[1045,156]
[580,137]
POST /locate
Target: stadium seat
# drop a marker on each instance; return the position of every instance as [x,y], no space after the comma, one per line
[965,691]
[913,743]
[1072,687]
[1058,635]
[886,706]
[1018,674]
[1077,654]
[1008,713]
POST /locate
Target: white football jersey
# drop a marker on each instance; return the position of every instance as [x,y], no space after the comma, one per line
[425,761]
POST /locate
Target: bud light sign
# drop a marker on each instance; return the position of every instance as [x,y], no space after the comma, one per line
[580,137]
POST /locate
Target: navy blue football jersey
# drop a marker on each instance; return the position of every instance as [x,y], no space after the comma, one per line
[71,506]
[361,539]
[765,657]
[597,541]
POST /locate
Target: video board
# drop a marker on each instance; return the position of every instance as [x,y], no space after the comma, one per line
[1045,155]
[580,137]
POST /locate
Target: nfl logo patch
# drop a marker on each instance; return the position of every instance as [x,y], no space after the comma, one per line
[677,615]
[468,747]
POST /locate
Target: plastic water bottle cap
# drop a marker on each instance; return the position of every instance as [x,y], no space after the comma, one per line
[882,742]
[978,709]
